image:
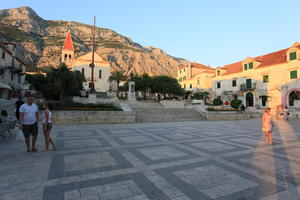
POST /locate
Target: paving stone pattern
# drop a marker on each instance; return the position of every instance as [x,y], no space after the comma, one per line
[224,160]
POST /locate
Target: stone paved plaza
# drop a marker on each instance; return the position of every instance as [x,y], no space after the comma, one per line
[187,160]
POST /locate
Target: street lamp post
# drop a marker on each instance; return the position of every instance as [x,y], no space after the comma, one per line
[92,65]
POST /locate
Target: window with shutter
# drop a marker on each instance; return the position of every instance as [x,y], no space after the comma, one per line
[266,78]
[248,83]
[293,74]
[250,65]
[233,83]
[293,56]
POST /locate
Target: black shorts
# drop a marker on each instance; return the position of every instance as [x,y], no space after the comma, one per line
[31,129]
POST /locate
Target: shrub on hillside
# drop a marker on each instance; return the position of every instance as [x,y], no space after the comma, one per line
[236,103]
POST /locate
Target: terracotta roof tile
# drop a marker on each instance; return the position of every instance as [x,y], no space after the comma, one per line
[233,68]
[198,65]
[266,60]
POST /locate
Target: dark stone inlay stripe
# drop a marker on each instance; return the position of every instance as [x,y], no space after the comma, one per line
[147,187]
[263,189]
[102,141]
[57,166]
[283,177]
[234,149]
[145,159]
[122,142]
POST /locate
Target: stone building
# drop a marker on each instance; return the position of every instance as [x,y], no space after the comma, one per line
[81,61]
[269,80]
[12,72]
[195,77]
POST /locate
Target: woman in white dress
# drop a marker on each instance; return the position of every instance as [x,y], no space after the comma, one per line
[47,127]
[267,125]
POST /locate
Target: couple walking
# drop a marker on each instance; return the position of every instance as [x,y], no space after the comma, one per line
[28,120]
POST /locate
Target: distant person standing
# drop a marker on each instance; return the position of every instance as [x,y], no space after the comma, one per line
[267,125]
[47,127]
[286,113]
[278,112]
[29,117]
[18,104]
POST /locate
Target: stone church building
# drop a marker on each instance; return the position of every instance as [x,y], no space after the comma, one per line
[81,62]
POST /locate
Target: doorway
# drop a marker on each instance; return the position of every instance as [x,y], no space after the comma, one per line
[249,99]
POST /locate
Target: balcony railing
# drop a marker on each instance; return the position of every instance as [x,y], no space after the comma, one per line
[248,87]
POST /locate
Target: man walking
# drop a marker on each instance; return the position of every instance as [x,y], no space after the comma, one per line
[29,117]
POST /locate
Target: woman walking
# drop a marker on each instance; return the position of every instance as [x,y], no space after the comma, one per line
[47,127]
[267,125]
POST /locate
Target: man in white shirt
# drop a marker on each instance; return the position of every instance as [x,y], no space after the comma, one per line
[29,118]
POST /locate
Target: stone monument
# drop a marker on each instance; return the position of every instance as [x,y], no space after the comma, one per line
[131,90]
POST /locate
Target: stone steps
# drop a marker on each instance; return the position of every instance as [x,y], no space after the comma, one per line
[144,115]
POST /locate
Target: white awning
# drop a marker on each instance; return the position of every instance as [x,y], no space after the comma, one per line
[4,85]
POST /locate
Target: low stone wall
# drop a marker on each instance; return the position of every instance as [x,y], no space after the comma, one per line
[172,104]
[215,115]
[295,115]
[96,100]
[63,117]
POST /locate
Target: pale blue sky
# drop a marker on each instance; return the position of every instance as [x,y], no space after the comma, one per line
[214,32]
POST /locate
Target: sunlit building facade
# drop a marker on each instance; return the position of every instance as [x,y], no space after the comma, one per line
[269,80]
[195,77]
[12,72]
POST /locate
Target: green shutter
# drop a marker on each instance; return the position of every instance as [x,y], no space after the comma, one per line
[245,66]
[233,83]
[293,56]
[248,83]
[265,78]
[251,65]
[293,74]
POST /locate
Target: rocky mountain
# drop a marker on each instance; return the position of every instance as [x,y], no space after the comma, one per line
[39,43]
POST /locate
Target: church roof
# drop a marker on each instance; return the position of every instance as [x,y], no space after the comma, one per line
[68,42]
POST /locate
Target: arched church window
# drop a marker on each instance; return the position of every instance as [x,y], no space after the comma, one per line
[100,74]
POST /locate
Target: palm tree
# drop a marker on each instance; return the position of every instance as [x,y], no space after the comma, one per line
[118,76]
[65,81]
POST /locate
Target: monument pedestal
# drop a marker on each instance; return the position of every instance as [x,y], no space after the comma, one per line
[131,93]
[92,97]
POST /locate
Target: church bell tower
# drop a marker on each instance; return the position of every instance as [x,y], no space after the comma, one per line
[67,52]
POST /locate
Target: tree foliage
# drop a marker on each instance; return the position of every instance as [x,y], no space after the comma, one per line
[217,102]
[236,103]
[58,83]
[201,96]
[166,85]
[118,76]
